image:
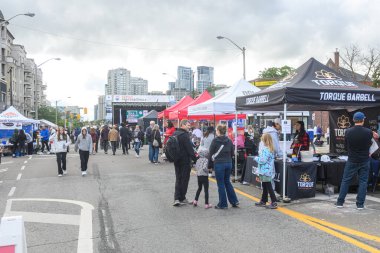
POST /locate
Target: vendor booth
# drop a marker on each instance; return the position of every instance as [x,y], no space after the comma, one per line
[144,121]
[314,87]
[10,120]
[182,113]
[222,107]
[48,123]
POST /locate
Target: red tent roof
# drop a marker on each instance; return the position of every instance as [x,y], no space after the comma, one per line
[181,112]
[184,101]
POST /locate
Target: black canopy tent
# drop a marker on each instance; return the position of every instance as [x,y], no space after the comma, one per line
[144,121]
[314,87]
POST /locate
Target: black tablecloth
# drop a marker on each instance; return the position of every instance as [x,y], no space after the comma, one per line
[301,178]
[331,172]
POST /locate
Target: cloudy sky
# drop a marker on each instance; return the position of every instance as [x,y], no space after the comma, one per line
[150,37]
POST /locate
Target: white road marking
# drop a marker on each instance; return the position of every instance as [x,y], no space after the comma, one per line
[84,220]
[26,162]
[19,176]
[106,228]
[12,191]
[23,168]
[7,162]
[3,170]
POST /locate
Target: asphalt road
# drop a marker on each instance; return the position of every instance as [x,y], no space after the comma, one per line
[132,212]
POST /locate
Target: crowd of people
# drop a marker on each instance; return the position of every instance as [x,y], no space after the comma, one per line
[209,149]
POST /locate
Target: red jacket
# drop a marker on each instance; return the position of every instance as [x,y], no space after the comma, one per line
[169,132]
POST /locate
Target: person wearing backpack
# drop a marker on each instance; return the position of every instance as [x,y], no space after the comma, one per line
[182,163]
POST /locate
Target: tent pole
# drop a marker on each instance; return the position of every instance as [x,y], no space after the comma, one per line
[236,136]
[284,158]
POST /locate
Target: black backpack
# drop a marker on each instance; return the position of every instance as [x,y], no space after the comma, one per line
[172,150]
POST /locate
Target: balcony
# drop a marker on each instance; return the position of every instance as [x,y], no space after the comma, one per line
[28,93]
[44,87]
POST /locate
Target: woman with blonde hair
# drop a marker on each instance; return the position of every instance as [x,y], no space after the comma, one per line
[156,143]
[266,171]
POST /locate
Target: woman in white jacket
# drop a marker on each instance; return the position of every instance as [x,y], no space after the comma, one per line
[59,142]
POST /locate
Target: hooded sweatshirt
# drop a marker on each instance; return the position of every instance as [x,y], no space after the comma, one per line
[226,153]
[274,134]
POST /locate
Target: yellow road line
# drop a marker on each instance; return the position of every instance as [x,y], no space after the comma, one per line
[324,226]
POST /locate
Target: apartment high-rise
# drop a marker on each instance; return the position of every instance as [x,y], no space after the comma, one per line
[205,78]
[185,78]
[138,86]
[118,82]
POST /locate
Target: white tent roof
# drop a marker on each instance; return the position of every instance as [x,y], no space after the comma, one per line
[224,103]
[12,115]
[48,123]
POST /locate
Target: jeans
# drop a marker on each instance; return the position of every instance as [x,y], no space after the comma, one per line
[84,155]
[137,147]
[182,177]
[113,145]
[222,174]
[267,188]
[105,145]
[61,161]
[350,170]
[151,152]
[202,181]
[45,143]
[124,145]
[156,151]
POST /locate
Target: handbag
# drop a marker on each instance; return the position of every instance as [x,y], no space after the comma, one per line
[155,142]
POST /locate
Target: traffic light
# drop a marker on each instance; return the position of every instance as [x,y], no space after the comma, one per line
[85,110]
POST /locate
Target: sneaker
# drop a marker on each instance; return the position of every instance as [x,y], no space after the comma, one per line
[105,153]
[262,204]
[245,183]
[48,152]
[272,205]
[60,175]
[338,205]
[176,203]
[64,172]
[185,201]
[360,207]
[137,156]
[207,206]
[236,204]
[84,173]
[195,203]
[218,207]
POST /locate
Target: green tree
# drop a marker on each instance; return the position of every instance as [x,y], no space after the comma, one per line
[49,113]
[276,73]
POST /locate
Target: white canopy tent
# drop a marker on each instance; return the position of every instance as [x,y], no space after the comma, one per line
[224,103]
[48,123]
[11,115]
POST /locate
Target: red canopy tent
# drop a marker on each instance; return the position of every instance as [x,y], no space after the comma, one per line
[181,113]
[184,101]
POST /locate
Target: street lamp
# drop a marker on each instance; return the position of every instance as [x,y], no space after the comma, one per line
[56,112]
[242,49]
[35,82]
[29,14]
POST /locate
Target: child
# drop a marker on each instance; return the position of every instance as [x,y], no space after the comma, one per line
[202,172]
[266,171]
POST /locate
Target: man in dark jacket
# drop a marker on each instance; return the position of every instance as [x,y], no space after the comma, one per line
[125,135]
[104,138]
[358,141]
[183,165]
